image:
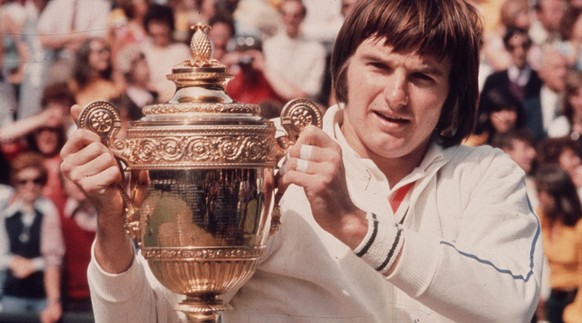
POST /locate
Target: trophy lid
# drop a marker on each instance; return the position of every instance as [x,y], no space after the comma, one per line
[201,127]
[200,86]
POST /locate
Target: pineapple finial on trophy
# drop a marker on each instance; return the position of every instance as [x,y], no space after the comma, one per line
[201,46]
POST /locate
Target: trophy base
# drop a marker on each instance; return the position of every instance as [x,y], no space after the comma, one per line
[202,309]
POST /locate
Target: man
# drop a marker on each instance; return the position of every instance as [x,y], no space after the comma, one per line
[545,106]
[160,50]
[545,29]
[294,65]
[520,79]
[387,218]
[519,146]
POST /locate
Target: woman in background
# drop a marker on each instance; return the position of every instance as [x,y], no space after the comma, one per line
[560,212]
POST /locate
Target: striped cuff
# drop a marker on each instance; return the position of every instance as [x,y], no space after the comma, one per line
[381,244]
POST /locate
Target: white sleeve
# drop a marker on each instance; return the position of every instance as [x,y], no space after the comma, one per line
[491,271]
[131,296]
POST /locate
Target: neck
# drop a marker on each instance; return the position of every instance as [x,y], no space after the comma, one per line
[395,169]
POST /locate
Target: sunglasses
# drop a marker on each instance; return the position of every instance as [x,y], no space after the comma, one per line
[38,181]
[511,47]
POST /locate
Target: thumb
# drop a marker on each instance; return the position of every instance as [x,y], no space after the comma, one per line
[75,112]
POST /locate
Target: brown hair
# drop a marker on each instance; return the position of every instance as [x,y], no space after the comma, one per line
[509,11]
[447,29]
[573,83]
[28,160]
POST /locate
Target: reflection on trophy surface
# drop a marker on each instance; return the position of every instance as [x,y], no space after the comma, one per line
[200,186]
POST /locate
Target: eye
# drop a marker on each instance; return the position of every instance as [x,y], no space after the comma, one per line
[422,78]
[379,67]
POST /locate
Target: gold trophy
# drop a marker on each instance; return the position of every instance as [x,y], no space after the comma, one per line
[199,185]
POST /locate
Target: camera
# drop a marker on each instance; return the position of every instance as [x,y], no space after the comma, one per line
[245,60]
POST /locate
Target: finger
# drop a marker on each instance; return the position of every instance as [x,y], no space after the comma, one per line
[101,184]
[305,151]
[75,112]
[302,165]
[78,140]
[91,164]
[313,135]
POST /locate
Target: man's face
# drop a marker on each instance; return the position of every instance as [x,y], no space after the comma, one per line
[551,14]
[394,101]
[292,14]
[554,71]
[219,35]
[518,47]
[29,184]
[160,32]
[523,154]
[47,140]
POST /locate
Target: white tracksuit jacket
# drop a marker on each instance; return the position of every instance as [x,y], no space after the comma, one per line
[472,253]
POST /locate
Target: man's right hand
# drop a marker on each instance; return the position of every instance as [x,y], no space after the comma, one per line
[93,167]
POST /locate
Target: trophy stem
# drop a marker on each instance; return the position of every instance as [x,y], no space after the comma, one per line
[202,308]
[208,317]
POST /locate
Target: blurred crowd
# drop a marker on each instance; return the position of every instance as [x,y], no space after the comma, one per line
[56,53]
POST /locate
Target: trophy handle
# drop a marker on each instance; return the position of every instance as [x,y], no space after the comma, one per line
[296,115]
[102,118]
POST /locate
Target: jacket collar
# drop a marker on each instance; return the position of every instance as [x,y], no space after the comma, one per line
[363,168]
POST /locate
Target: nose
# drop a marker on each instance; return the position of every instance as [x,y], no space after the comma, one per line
[395,92]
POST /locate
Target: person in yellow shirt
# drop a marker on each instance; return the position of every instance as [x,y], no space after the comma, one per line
[560,213]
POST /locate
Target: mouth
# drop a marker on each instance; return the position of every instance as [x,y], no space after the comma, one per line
[391,118]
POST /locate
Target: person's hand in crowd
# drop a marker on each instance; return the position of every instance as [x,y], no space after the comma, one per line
[258,59]
[315,163]
[22,267]
[52,313]
[53,116]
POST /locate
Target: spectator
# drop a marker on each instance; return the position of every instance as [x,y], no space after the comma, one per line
[513,14]
[14,52]
[63,26]
[48,139]
[139,91]
[519,145]
[560,212]
[562,152]
[45,133]
[322,21]
[543,108]
[546,28]
[126,25]
[257,18]
[33,79]
[161,51]
[31,244]
[221,33]
[294,65]
[570,123]
[519,78]
[249,84]
[94,77]
[571,36]
[501,114]
[79,224]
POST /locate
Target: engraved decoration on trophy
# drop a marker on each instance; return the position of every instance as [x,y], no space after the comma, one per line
[199,183]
